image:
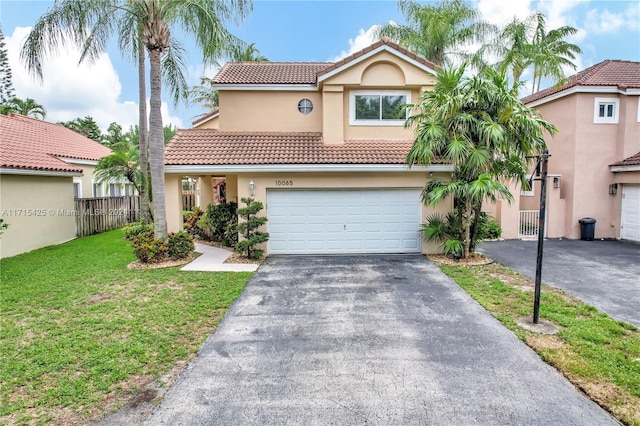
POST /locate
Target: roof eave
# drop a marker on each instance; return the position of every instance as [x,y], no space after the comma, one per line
[629,168]
[266,87]
[582,89]
[304,168]
[38,172]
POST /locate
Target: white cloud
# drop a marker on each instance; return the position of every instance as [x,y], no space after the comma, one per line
[362,40]
[603,21]
[499,12]
[69,90]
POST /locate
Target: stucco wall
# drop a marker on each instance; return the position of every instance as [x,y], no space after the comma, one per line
[269,111]
[212,123]
[39,211]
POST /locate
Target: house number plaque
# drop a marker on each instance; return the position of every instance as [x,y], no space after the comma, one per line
[284,183]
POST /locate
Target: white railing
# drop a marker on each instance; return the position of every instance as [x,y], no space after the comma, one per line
[528,224]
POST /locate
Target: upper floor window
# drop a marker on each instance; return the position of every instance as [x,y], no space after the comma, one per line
[305,106]
[378,108]
[606,110]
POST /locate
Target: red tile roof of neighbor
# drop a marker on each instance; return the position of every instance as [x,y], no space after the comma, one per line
[621,74]
[213,147]
[634,160]
[31,144]
[297,72]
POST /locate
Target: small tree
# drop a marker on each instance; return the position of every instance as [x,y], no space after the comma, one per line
[249,229]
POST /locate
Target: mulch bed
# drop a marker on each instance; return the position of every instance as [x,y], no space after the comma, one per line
[169,263]
[474,260]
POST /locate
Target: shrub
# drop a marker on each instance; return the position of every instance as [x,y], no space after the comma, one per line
[444,230]
[191,219]
[137,228]
[248,229]
[180,245]
[149,249]
[489,230]
[218,223]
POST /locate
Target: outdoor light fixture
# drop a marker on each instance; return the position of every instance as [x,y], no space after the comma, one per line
[556,182]
[252,188]
[613,189]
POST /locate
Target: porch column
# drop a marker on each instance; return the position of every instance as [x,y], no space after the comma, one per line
[173,194]
[204,191]
[232,188]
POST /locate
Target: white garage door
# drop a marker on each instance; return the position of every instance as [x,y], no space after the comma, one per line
[344,221]
[630,220]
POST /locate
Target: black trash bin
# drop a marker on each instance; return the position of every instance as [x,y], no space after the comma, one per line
[587,228]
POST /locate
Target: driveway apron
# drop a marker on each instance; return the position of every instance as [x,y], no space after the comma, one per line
[355,340]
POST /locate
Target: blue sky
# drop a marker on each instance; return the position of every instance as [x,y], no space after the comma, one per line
[287,31]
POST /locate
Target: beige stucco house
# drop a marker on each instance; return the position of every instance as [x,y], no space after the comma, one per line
[594,169]
[43,166]
[322,145]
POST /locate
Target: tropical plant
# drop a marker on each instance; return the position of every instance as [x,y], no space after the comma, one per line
[6,78]
[90,23]
[86,126]
[204,95]
[122,163]
[133,229]
[218,223]
[479,126]
[247,53]
[180,245]
[248,228]
[527,43]
[27,107]
[551,53]
[438,32]
[3,225]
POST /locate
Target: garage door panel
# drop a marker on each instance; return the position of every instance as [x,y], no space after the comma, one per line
[630,213]
[343,221]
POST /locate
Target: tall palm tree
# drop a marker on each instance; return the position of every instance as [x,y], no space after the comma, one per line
[513,47]
[478,125]
[90,24]
[551,53]
[28,107]
[438,32]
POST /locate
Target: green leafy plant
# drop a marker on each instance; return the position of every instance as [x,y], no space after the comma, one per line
[149,249]
[191,219]
[133,229]
[488,229]
[3,225]
[444,230]
[249,229]
[180,245]
[218,223]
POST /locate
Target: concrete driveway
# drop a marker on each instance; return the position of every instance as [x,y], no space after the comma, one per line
[358,340]
[604,274]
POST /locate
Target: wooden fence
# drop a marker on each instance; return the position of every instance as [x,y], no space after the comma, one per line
[95,215]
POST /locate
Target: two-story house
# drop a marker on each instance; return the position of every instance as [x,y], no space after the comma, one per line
[595,157]
[322,145]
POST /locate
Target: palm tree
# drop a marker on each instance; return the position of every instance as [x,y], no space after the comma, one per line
[437,32]
[122,163]
[513,46]
[90,23]
[27,107]
[478,125]
[551,53]
[248,54]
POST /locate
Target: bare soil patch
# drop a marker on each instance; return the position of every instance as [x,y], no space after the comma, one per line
[474,260]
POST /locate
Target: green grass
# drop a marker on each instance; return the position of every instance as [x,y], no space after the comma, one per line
[80,331]
[599,355]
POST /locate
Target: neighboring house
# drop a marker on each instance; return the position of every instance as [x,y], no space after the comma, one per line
[322,145]
[208,121]
[43,166]
[595,157]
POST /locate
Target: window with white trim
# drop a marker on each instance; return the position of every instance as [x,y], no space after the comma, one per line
[605,110]
[378,107]
[77,187]
[115,190]
[96,189]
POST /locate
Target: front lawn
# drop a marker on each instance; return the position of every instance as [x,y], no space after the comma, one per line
[80,332]
[597,354]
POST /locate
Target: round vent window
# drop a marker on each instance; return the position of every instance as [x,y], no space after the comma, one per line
[305,106]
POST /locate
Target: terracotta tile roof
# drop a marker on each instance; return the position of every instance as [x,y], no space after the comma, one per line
[297,72]
[31,144]
[269,73]
[374,46]
[634,160]
[213,147]
[620,74]
[206,117]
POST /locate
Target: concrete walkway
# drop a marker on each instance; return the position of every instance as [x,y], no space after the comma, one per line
[212,260]
[366,340]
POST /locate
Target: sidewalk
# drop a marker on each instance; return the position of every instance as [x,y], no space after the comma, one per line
[212,260]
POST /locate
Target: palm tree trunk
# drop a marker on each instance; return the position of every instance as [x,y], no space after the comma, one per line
[156,146]
[477,214]
[467,230]
[145,205]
